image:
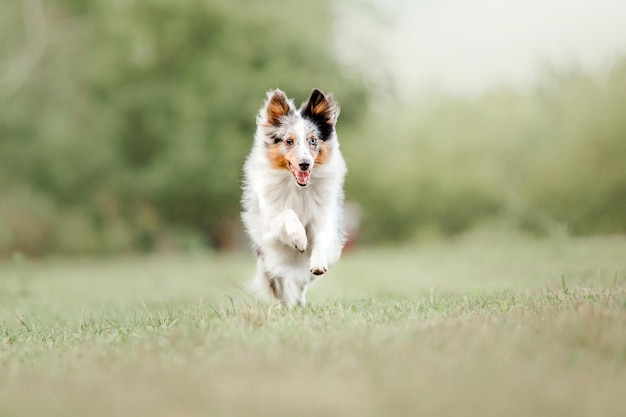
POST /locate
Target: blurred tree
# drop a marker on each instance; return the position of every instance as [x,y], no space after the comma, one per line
[141,113]
[550,159]
[577,177]
[125,123]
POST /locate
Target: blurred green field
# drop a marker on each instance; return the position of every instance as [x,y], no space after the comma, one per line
[486,325]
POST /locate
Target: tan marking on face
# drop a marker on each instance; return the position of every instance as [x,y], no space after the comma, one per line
[280,157]
[322,154]
[277,157]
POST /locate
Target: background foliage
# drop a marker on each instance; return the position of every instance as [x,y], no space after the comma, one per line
[124,126]
[133,128]
[546,160]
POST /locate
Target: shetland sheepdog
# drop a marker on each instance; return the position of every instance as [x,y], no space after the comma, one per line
[293,194]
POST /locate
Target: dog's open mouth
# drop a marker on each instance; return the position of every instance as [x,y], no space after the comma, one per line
[302,177]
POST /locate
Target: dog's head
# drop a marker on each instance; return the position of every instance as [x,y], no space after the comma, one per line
[298,139]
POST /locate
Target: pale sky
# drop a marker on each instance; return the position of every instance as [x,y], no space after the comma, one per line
[466,46]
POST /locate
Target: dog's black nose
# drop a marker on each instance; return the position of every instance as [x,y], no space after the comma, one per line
[304,166]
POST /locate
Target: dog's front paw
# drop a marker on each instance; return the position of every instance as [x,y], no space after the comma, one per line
[296,235]
[318,265]
[299,241]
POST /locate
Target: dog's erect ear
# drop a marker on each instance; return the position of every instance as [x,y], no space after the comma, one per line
[277,106]
[321,108]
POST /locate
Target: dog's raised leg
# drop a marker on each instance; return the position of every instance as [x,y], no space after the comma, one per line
[288,229]
[318,262]
[325,249]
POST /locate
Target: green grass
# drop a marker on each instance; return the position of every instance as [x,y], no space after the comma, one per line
[485,326]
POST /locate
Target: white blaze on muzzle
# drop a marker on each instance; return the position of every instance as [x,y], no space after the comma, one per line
[304,162]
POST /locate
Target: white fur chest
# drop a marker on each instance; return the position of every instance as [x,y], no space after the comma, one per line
[279,192]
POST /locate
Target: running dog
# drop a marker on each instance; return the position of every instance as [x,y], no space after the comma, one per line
[293,194]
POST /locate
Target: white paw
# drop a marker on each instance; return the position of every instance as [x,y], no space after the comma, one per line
[296,235]
[318,265]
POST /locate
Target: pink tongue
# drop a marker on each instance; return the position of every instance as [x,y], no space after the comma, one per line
[303,176]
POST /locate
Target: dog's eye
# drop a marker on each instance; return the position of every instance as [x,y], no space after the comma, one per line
[313,141]
[289,141]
